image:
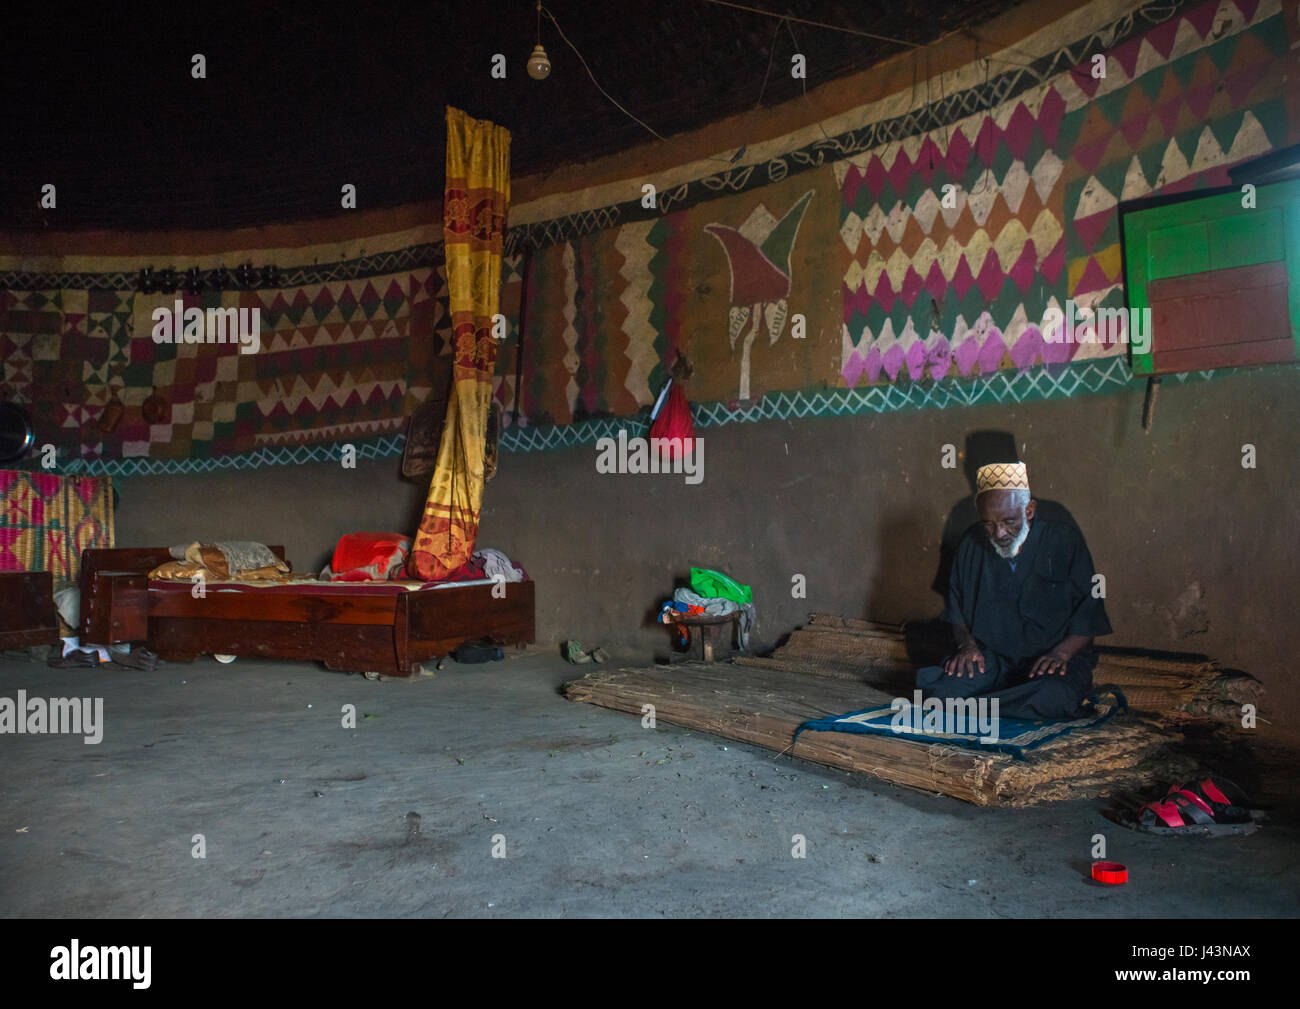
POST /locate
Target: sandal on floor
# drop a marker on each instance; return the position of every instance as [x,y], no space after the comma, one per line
[75,659]
[599,655]
[1201,807]
[1227,800]
[574,652]
[137,658]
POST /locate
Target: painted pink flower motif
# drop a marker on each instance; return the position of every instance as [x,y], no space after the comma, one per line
[874,365]
[966,354]
[1027,348]
[893,361]
[938,355]
[991,354]
[853,368]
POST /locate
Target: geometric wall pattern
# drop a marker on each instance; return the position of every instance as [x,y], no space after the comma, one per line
[341,359]
[1105,376]
[1181,105]
[932,289]
[955,247]
[957,241]
[941,238]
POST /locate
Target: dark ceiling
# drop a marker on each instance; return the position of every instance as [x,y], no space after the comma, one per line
[302,98]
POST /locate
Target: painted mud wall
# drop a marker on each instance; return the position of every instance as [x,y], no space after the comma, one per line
[906,302]
[922,236]
[1199,553]
[350,337]
[929,235]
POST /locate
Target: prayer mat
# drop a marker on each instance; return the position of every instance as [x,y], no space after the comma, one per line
[933,721]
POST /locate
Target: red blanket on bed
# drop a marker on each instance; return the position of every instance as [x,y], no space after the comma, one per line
[369,557]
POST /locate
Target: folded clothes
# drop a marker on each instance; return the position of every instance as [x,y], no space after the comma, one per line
[495,564]
[470,571]
[240,560]
[232,559]
[712,605]
[488,564]
[718,606]
[243,555]
[184,571]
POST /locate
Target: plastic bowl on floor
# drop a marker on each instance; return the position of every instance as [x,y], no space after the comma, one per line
[1109,872]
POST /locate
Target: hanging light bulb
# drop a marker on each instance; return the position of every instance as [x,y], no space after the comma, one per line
[539,66]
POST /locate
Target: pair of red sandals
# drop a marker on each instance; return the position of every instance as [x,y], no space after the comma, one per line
[1213,806]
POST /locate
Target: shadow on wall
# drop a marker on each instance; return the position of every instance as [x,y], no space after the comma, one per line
[983,448]
[898,535]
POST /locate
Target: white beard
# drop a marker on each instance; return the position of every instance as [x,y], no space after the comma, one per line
[1011,551]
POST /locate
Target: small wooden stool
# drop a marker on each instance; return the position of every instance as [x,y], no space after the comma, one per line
[708,625]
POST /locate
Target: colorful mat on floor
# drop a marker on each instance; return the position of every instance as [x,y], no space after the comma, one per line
[951,725]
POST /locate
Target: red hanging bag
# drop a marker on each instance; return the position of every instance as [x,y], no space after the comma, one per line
[674,423]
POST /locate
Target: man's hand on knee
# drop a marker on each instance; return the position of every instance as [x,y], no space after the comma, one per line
[1051,664]
[968,660]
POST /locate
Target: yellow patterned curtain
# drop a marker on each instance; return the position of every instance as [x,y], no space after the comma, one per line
[474,217]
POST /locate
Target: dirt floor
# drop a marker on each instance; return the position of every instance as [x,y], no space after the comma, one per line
[595,815]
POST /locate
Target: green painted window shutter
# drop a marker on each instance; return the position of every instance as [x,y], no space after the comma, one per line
[1203,235]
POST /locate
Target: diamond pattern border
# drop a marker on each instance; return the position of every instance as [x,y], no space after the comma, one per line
[1054,382]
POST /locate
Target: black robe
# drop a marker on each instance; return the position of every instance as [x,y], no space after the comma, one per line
[1022,612]
[1018,613]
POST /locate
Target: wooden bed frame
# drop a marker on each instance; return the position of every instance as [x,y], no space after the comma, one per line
[390,634]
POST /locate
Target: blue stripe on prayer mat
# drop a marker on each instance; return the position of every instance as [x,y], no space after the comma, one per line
[1014,735]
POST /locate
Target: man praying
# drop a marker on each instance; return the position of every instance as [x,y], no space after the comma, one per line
[1022,605]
